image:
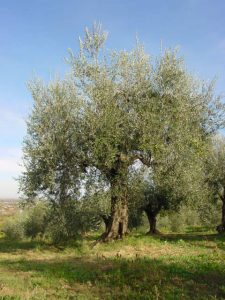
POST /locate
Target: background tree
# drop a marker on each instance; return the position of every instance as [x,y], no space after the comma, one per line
[157,191]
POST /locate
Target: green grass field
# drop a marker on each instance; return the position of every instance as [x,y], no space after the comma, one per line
[181,266]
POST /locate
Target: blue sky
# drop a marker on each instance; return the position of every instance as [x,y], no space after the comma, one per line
[35,36]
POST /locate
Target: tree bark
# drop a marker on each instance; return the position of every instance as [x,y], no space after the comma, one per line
[118,226]
[151,214]
[152,223]
[118,221]
[118,179]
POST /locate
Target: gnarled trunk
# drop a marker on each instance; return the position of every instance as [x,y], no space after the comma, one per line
[152,214]
[118,225]
[118,221]
[152,222]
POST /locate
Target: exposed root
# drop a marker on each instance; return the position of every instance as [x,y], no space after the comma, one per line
[107,237]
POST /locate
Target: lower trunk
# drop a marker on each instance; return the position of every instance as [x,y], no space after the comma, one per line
[118,221]
[106,220]
[152,221]
[221,227]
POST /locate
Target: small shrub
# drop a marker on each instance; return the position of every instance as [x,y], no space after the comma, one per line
[13,228]
[210,214]
[177,222]
[67,223]
[36,220]
[203,215]
[70,221]
[56,231]
[163,222]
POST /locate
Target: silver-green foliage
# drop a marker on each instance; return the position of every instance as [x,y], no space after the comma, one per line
[114,108]
[13,228]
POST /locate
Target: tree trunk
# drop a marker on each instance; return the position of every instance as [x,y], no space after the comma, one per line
[152,220]
[152,223]
[118,225]
[221,227]
[118,221]
[106,220]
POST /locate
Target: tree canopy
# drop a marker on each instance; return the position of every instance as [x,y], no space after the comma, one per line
[112,109]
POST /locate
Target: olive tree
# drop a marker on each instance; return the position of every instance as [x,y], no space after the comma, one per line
[114,108]
[155,190]
[216,174]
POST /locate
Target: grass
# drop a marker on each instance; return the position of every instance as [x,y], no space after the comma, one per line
[172,266]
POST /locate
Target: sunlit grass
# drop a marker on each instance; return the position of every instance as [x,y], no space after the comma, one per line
[190,266]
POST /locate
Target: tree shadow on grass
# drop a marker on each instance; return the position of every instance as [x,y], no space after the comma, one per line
[8,246]
[131,279]
[196,239]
